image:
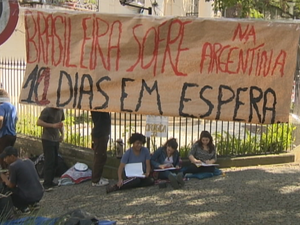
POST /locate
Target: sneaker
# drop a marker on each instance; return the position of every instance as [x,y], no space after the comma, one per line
[180,180]
[173,181]
[102,182]
[47,188]
[111,188]
[50,187]
[102,178]
[25,211]
[35,206]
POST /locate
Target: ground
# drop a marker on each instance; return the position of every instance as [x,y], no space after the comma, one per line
[253,195]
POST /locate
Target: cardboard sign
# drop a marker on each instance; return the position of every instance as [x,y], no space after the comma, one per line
[233,70]
[156,126]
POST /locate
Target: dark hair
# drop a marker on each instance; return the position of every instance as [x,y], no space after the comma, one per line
[3,93]
[8,151]
[206,134]
[137,137]
[171,143]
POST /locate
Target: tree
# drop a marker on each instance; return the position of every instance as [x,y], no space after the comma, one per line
[268,9]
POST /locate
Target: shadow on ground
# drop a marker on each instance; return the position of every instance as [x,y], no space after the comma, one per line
[257,195]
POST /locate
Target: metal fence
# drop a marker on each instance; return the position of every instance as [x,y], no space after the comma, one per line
[231,138]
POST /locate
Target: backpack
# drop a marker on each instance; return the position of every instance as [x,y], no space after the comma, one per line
[39,165]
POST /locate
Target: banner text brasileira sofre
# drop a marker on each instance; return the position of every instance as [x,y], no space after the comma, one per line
[50,44]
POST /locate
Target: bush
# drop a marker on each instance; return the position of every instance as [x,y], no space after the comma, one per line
[276,138]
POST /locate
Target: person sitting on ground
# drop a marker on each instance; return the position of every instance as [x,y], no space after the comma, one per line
[203,151]
[168,156]
[136,154]
[23,180]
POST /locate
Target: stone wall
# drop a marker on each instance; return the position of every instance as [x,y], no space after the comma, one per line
[71,154]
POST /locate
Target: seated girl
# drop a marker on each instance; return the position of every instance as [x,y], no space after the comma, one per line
[136,154]
[202,152]
[168,156]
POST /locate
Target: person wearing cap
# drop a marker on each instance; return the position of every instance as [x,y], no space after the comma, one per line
[100,137]
[53,133]
[23,180]
[8,120]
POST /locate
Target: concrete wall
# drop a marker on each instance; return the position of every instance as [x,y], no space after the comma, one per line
[71,154]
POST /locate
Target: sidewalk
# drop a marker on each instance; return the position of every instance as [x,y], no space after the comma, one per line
[250,195]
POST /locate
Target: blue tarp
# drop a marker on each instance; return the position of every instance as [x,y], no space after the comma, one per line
[31,221]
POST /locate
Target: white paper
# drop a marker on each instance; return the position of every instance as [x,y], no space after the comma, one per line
[164,169]
[134,170]
[205,164]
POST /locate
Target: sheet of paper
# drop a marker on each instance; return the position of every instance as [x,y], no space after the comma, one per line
[168,168]
[205,164]
[134,170]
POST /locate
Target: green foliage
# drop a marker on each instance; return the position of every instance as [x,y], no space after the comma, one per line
[228,144]
[277,138]
[69,121]
[26,125]
[184,151]
[256,14]
[78,140]
[256,8]
[82,118]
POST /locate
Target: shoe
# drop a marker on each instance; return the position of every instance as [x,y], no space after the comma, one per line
[54,184]
[48,188]
[25,211]
[173,181]
[102,178]
[111,188]
[180,180]
[35,206]
[188,176]
[102,182]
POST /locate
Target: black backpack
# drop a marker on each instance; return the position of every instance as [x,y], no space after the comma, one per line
[39,165]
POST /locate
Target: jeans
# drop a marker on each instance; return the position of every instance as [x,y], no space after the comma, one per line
[203,175]
[194,169]
[50,149]
[165,174]
[100,157]
[20,202]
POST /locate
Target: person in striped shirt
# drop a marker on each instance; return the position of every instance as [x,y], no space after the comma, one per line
[203,152]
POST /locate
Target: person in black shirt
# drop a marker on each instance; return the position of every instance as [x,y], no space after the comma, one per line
[100,137]
[23,180]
